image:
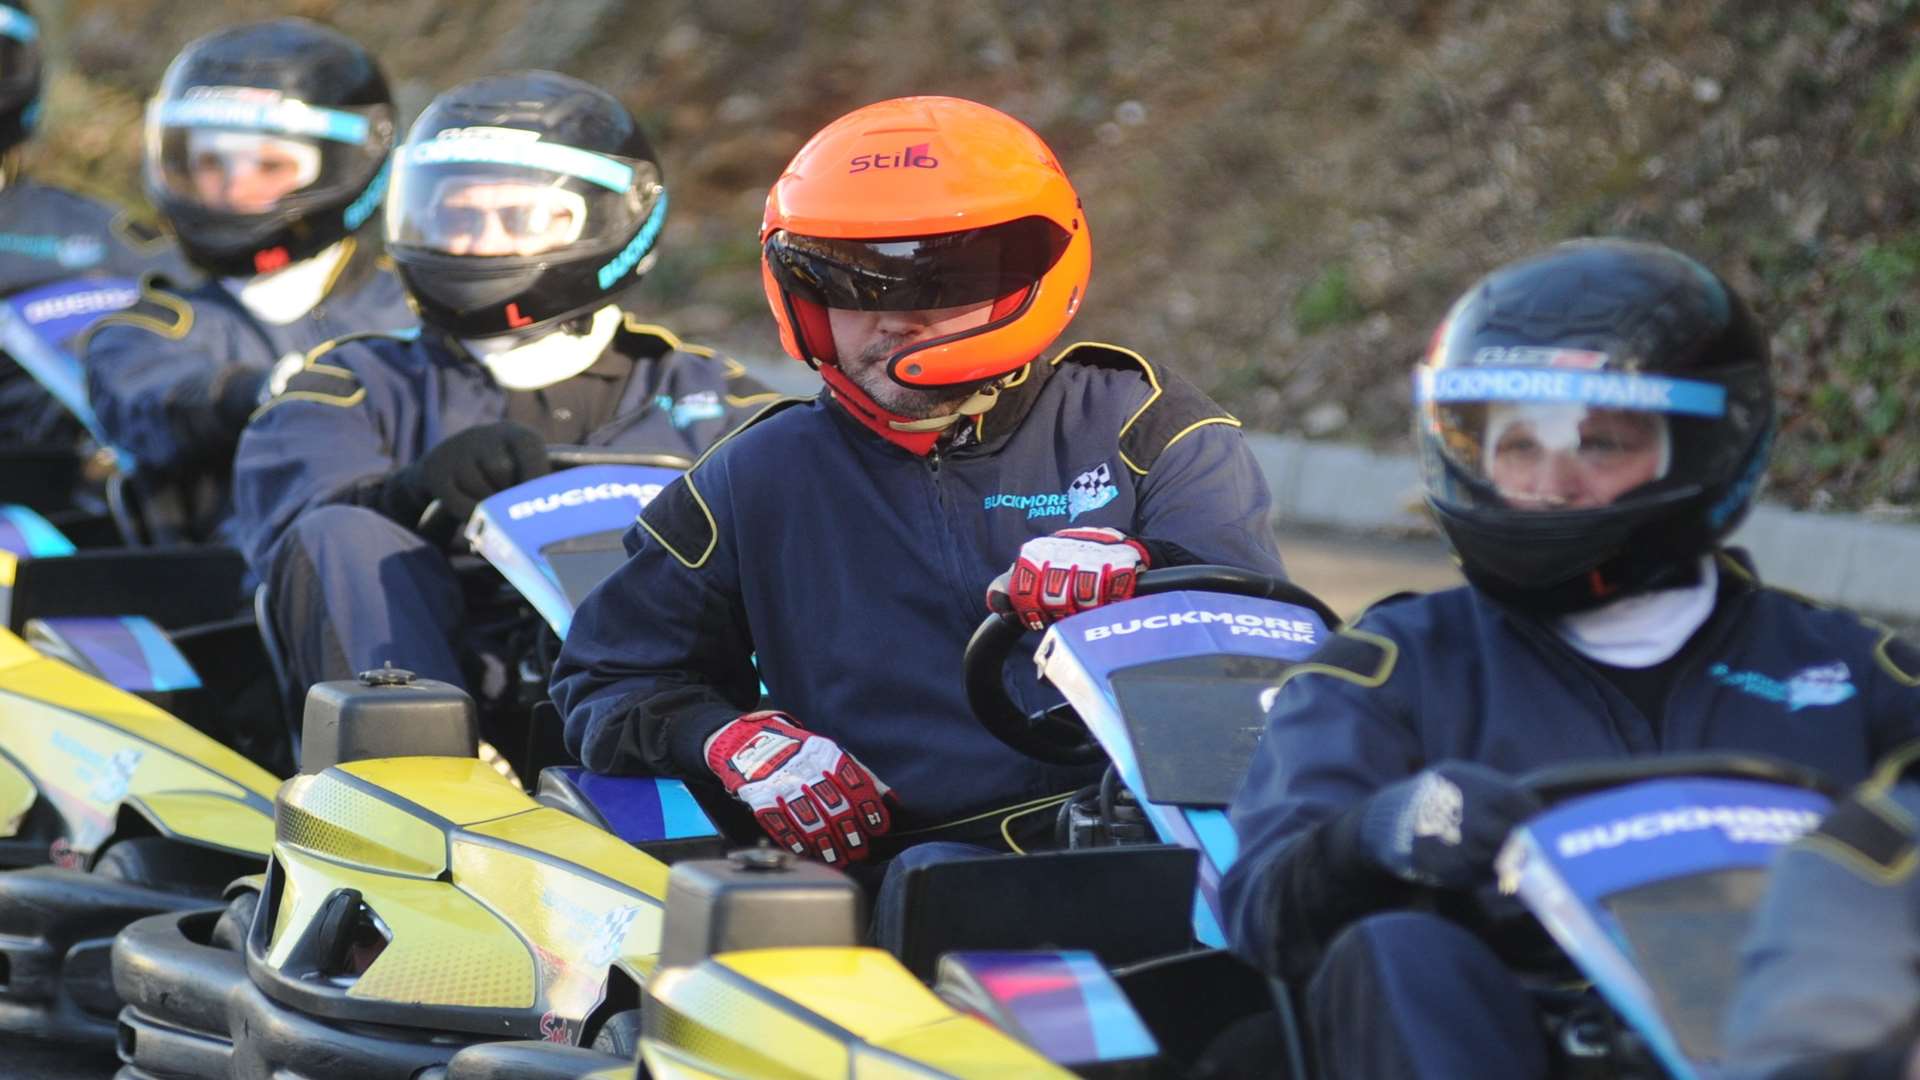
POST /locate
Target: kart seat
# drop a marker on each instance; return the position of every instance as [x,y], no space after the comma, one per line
[1124,904]
[658,815]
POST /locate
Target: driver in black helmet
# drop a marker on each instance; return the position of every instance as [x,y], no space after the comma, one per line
[1593,422]
[49,234]
[266,152]
[525,208]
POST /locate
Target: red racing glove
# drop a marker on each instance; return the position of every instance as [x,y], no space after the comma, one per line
[811,796]
[1067,573]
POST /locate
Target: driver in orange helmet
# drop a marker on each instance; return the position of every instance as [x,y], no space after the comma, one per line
[921,254]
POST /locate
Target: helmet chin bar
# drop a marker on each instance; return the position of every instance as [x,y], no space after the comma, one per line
[555,354]
[1580,560]
[1006,312]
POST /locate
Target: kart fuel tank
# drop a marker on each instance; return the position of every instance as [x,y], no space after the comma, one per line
[385,713]
[755,899]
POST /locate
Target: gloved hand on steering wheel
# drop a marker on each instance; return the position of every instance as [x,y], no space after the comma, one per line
[1067,573]
[812,797]
[1444,826]
[461,470]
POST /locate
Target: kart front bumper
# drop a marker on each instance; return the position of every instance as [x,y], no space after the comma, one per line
[56,935]
[192,1012]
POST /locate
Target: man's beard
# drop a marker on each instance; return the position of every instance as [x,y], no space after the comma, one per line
[869,373]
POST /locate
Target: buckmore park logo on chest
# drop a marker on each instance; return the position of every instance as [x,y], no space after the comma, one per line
[1822,684]
[1089,491]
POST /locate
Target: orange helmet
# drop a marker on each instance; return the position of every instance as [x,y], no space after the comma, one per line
[921,203]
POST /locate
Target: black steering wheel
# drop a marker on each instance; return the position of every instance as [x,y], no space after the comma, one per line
[1558,783]
[572,457]
[1056,736]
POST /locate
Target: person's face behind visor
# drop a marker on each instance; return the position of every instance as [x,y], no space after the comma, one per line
[248,173]
[1571,457]
[506,218]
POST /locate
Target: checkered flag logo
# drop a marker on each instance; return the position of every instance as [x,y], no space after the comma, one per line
[1090,490]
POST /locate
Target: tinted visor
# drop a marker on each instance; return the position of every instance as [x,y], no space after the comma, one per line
[921,273]
[247,151]
[1549,439]
[506,197]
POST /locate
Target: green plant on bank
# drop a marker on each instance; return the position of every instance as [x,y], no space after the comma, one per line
[1326,301]
[1848,433]
[1891,108]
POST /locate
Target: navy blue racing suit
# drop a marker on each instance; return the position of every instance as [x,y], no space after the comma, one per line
[1830,980]
[48,234]
[351,589]
[848,573]
[155,372]
[1453,676]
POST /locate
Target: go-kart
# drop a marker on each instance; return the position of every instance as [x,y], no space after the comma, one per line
[1646,872]
[1014,965]
[131,778]
[128,811]
[417,900]
[126,786]
[752,946]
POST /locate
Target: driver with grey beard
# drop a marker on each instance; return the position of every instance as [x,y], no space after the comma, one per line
[921,254]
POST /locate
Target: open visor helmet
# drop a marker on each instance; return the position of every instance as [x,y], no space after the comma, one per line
[520,201]
[19,74]
[925,203]
[1591,420]
[267,144]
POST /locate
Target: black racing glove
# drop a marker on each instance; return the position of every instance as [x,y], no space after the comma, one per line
[461,470]
[1444,826]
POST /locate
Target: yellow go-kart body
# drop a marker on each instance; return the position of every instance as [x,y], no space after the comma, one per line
[110,810]
[90,752]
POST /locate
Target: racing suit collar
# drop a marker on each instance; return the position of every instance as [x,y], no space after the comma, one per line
[1018,392]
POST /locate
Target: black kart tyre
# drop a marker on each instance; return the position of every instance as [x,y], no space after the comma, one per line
[169,865]
[620,1035]
[230,932]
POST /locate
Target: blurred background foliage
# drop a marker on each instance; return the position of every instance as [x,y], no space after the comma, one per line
[1284,195]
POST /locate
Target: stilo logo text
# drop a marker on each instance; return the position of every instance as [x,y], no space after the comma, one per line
[913,157]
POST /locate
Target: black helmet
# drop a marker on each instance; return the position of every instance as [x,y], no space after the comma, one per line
[19,73]
[268,143]
[1591,421]
[520,201]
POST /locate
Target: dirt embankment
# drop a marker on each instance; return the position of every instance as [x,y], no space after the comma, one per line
[1284,196]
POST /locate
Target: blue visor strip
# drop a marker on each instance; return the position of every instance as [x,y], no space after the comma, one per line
[279,117]
[552,157]
[1597,389]
[18,25]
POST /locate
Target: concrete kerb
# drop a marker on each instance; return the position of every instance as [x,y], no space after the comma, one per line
[1871,566]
